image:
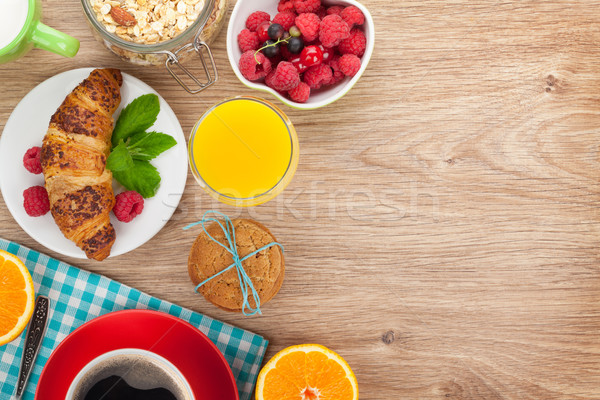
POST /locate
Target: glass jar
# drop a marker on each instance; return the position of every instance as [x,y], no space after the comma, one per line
[194,39]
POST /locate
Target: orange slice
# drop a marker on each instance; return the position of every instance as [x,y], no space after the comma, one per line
[306,372]
[16,297]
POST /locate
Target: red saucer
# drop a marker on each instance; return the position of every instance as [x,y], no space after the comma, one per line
[186,347]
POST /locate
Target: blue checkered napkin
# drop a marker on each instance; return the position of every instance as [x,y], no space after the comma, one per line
[78,296]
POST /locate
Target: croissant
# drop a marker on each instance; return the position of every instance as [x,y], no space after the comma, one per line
[74,153]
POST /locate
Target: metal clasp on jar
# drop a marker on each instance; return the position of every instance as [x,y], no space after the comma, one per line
[210,69]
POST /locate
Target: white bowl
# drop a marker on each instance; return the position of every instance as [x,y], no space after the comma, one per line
[318,98]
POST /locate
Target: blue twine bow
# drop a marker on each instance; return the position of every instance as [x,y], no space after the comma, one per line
[245,281]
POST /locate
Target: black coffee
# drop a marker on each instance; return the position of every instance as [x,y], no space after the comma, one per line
[115,388]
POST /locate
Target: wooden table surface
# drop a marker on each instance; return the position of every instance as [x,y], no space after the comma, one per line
[442,230]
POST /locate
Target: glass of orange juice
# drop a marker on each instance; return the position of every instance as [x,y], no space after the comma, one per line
[243,151]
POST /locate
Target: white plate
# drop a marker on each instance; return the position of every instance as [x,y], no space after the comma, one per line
[26,128]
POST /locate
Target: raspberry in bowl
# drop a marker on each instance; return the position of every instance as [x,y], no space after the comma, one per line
[328,42]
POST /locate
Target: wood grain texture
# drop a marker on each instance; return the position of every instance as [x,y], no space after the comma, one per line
[442,229]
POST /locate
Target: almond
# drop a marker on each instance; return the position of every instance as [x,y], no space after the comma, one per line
[122,17]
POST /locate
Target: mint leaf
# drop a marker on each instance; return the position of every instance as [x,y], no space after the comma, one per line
[119,159]
[133,147]
[138,116]
[142,177]
[147,145]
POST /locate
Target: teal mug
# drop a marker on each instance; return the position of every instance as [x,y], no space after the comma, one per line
[21,30]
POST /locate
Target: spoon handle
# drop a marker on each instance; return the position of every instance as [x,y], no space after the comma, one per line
[35,334]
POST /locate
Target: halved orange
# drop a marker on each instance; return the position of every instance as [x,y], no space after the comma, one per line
[306,372]
[16,297]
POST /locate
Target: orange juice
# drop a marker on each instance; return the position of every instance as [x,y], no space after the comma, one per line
[243,151]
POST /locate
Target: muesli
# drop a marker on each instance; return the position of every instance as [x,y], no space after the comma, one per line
[147,21]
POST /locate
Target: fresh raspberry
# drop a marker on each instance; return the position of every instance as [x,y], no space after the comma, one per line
[307,6]
[31,160]
[128,205]
[309,25]
[285,19]
[321,12]
[300,93]
[349,64]
[285,5]
[254,66]
[248,40]
[269,78]
[353,16]
[317,76]
[284,78]
[35,201]
[338,75]
[333,30]
[355,44]
[335,10]
[257,18]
